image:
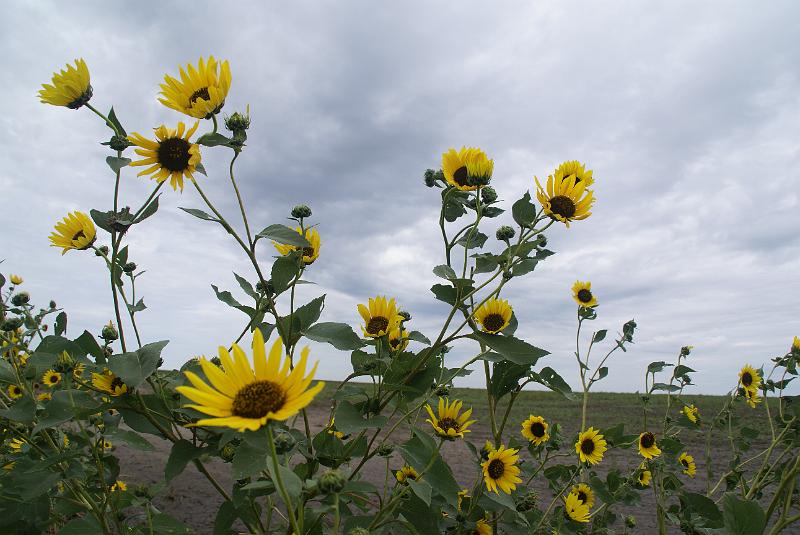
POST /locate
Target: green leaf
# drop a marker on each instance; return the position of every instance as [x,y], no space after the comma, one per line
[475,240]
[130,438]
[349,419]
[681,370]
[213,139]
[164,524]
[420,452]
[485,263]
[514,349]
[705,507]
[655,367]
[227,298]
[283,234]
[444,271]
[310,312]
[81,526]
[448,294]
[246,286]
[134,367]
[421,489]
[250,459]
[151,209]
[89,346]
[524,211]
[339,335]
[524,267]
[61,323]
[200,168]
[65,405]
[552,380]
[7,374]
[419,337]
[664,387]
[116,164]
[506,376]
[22,411]
[284,270]
[292,483]
[599,336]
[183,452]
[112,117]
[199,214]
[742,517]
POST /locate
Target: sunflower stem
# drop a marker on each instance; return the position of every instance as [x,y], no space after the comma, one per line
[279,480]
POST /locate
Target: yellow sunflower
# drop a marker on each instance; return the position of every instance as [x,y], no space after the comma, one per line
[575,508]
[481,528]
[406,473]
[687,461]
[591,446]
[108,382]
[44,396]
[51,378]
[644,477]
[584,493]
[380,317]
[582,294]
[16,444]
[201,91]
[463,493]
[398,340]
[332,429]
[14,391]
[119,486]
[105,444]
[467,169]
[77,372]
[647,445]
[76,231]
[70,88]
[171,155]
[749,378]
[310,253]
[692,413]
[449,424]
[795,343]
[494,315]
[565,199]
[16,280]
[244,397]
[500,470]
[574,167]
[486,450]
[535,430]
[752,397]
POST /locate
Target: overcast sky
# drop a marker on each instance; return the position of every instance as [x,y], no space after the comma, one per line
[688,113]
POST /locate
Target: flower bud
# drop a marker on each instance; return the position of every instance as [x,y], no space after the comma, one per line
[430,178]
[685,350]
[64,363]
[118,143]
[11,324]
[284,442]
[630,521]
[21,298]
[107,351]
[129,267]
[52,305]
[405,315]
[238,122]
[505,233]
[102,250]
[331,482]
[109,332]
[301,211]
[386,449]
[442,391]
[488,194]
[227,452]
[542,240]
[527,502]
[267,288]
[16,280]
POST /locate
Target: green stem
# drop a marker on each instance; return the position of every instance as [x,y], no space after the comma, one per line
[279,480]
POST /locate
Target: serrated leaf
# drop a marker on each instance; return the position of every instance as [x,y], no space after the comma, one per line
[339,335]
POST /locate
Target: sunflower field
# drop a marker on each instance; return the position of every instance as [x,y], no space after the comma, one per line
[68,402]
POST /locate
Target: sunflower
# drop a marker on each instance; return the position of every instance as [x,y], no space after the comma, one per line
[584,493]
[16,279]
[749,378]
[463,493]
[70,87]
[647,445]
[467,169]
[201,91]
[16,445]
[500,470]
[486,450]
[172,155]
[481,528]
[689,467]
[398,340]
[108,382]
[76,231]
[44,396]
[575,508]
[406,473]
[535,430]
[644,477]
[574,167]
[77,372]
[14,391]
[51,378]
[380,318]
[494,315]
[692,413]
[449,424]
[244,397]
[590,446]
[119,486]
[310,253]
[105,444]
[752,397]
[582,294]
[332,429]
[566,199]
[795,342]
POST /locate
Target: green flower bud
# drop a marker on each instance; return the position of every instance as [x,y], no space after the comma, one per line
[284,443]
[267,288]
[488,194]
[119,143]
[52,305]
[332,482]
[386,449]
[238,121]
[542,240]
[21,298]
[442,391]
[630,521]
[685,350]
[527,502]
[430,178]
[11,324]
[129,267]
[227,452]
[301,211]
[109,332]
[358,531]
[505,233]
[102,251]
[64,363]
[405,315]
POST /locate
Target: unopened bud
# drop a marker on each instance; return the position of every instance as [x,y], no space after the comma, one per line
[301,211]
[405,315]
[119,143]
[21,298]
[442,391]
[505,233]
[331,482]
[488,194]
[228,451]
[52,305]
[385,449]
[11,324]
[102,250]
[284,443]
[630,521]
[109,332]
[129,267]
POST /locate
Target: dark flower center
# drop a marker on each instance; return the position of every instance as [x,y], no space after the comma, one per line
[685,463]
[308,251]
[81,100]
[173,154]
[54,378]
[563,206]
[582,496]
[587,446]
[537,429]
[116,383]
[647,440]
[449,423]
[16,390]
[461,176]
[642,476]
[584,296]
[747,379]
[200,93]
[496,469]
[493,322]
[396,342]
[377,324]
[79,234]
[258,399]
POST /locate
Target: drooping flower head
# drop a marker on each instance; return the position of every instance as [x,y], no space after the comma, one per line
[310,252]
[575,508]
[687,461]
[246,398]
[494,315]
[576,169]
[644,476]
[795,344]
[565,199]
[647,445]
[405,473]
[108,382]
[398,340]
[584,493]
[500,470]
[76,231]
[449,423]
[171,155]
[380,317]
[692,413]
[468,169]
[582,294]
[749,378]
[535,430]
[70,87]
[16,279]
[591,446]
[481,528]
[201,91]
[752,397]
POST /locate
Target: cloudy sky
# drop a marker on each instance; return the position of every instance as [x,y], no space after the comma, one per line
[688,113]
